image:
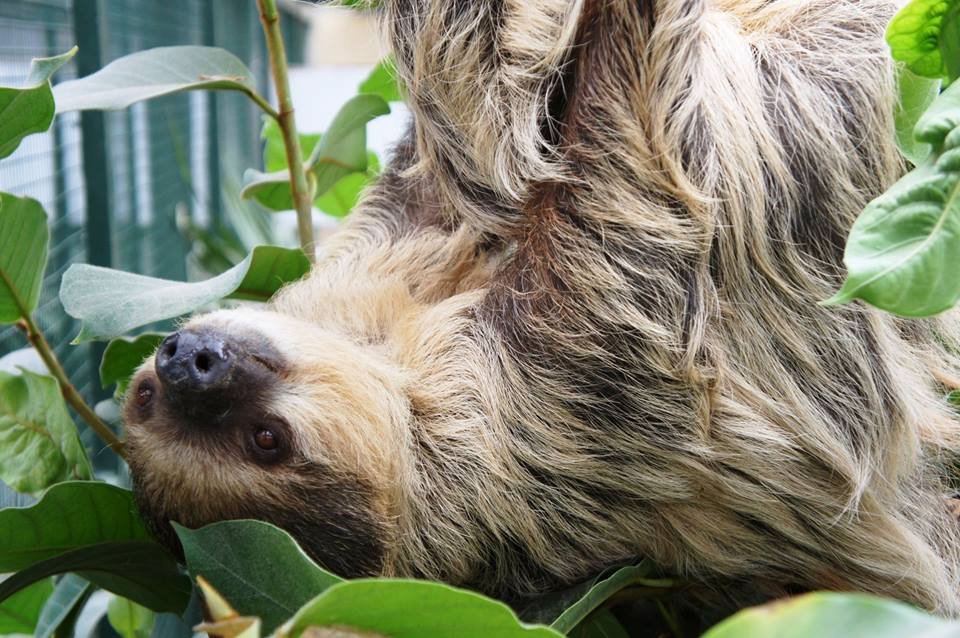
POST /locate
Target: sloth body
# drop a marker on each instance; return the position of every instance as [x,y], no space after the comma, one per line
[575,322]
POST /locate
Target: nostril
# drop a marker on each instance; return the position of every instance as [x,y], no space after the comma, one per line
[168,349]
[203,362]
[210,364]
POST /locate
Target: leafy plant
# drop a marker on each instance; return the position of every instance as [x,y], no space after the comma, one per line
[82,534]
[28,110]
[829,614]
[110,302]
[901,254]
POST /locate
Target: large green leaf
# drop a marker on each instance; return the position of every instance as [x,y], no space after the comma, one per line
[68,516]
[39,445]
[831,615]
[914,36]
[92,529]
[62,606]
[383,81]
[411,609]
[916,94]
[902,252]
[257,567]
[28,110]
[153,73]
[20,612]
[139,570]
[23,255]
[123,356]
[110,302]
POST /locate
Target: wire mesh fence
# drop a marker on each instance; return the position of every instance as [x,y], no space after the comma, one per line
[113,183]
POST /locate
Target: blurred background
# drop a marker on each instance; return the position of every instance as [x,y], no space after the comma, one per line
[154,189]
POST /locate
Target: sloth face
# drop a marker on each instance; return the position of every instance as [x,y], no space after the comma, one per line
[253,414]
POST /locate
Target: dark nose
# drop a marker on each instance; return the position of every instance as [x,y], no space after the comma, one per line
[194,362]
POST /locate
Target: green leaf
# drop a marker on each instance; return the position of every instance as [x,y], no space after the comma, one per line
[902,252]
[950,41]
[340,200]
[39,445]
[343,148]
[257,567]
[153,73]
[832,614]
[28,110]
[270,190]
[916,94]
[565,608]
[23,254]
[139,570]
[601,589]
[411,609]
[68,516]
[914,36]
[383,81]
[129,619]
[20,612]
[123,356]
[110,302]
[275,151]
[93,529]
[62,606]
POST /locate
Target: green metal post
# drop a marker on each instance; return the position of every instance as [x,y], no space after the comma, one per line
[214,200]
[86,28]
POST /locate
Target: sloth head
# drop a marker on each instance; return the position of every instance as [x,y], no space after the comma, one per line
[253,414]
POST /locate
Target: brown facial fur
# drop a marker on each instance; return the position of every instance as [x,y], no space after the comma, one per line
[195,462]
[576,320]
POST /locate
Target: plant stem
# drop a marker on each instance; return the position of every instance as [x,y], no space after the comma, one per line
[300,185]
[265,106]
[67,389]
[70,393]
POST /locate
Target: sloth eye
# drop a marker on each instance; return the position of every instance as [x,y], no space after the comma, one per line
[266,439]
[144,394]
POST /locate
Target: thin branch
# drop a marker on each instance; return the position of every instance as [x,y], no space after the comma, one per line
[265,106]
[300,185]
[67,389]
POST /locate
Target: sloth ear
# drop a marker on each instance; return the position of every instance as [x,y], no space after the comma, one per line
[481,76]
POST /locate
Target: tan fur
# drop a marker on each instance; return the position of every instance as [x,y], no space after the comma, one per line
[576,321]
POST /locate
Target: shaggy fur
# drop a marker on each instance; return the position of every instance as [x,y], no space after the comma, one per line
[576,320]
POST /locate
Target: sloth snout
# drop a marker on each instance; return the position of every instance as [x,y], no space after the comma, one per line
[189,362]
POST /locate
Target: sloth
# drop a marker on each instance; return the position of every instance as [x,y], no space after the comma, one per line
[575,322]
